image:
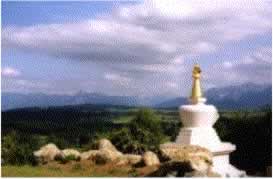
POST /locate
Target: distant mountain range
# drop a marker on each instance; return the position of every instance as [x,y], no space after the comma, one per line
[232,97]
[248,95]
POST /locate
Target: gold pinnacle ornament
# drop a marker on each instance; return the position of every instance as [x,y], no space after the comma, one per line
[196,93]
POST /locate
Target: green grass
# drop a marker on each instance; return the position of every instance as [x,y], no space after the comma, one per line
[123,119]
[70,170]
[29,171]
[242,114]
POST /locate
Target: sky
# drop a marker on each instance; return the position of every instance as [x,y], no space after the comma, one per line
[134,48]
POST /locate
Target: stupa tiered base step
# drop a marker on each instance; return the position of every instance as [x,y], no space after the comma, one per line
[221,163]
[221,160]
[208,138]
[202,136]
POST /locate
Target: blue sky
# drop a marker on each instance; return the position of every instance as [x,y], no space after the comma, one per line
[140,48]
[31,13]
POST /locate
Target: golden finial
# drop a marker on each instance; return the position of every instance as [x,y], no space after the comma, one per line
[196,94]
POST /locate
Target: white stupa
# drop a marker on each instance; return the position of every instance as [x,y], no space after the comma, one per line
[198,119]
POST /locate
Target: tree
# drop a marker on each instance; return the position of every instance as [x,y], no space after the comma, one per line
[143,133]
[18,149]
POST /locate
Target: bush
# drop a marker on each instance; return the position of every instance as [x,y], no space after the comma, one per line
[171,128]
[60,141]
[143,133]
[18,149]
[93,140]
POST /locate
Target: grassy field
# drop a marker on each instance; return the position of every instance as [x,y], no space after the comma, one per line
[71,169]
[75,169]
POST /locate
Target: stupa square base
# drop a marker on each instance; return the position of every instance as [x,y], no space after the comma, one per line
[221,163]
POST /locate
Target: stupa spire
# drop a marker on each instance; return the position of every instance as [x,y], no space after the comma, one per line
[196,93]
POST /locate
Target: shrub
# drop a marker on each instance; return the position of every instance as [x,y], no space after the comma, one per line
[171,128]
[143,133]
[17,149]
[60,141]
[93,140]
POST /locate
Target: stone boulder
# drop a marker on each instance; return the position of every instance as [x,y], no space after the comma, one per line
[179,169]
[129,159]
[89,155]
[105,144]
[150,159]
[200,158]
[105,156]
[133,159]
[48,153]
[71,152]
[121,161]
[189,160]
[107,152]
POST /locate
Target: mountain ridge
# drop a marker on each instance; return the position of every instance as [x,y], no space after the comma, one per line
[247,95]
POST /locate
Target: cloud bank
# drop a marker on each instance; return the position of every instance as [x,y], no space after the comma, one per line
[146,45]
[255,67]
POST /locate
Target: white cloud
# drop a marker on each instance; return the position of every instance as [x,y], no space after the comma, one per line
[30,84]
[227,64]
[178,60]
[146,44]
[203,47]
[256,67]
[172,84]
[158,68]
[10,72]
[24,85]
[151,32]
[117,78]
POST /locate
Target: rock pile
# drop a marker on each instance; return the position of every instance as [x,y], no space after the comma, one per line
[175,160]
[190,161]
[106,152]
